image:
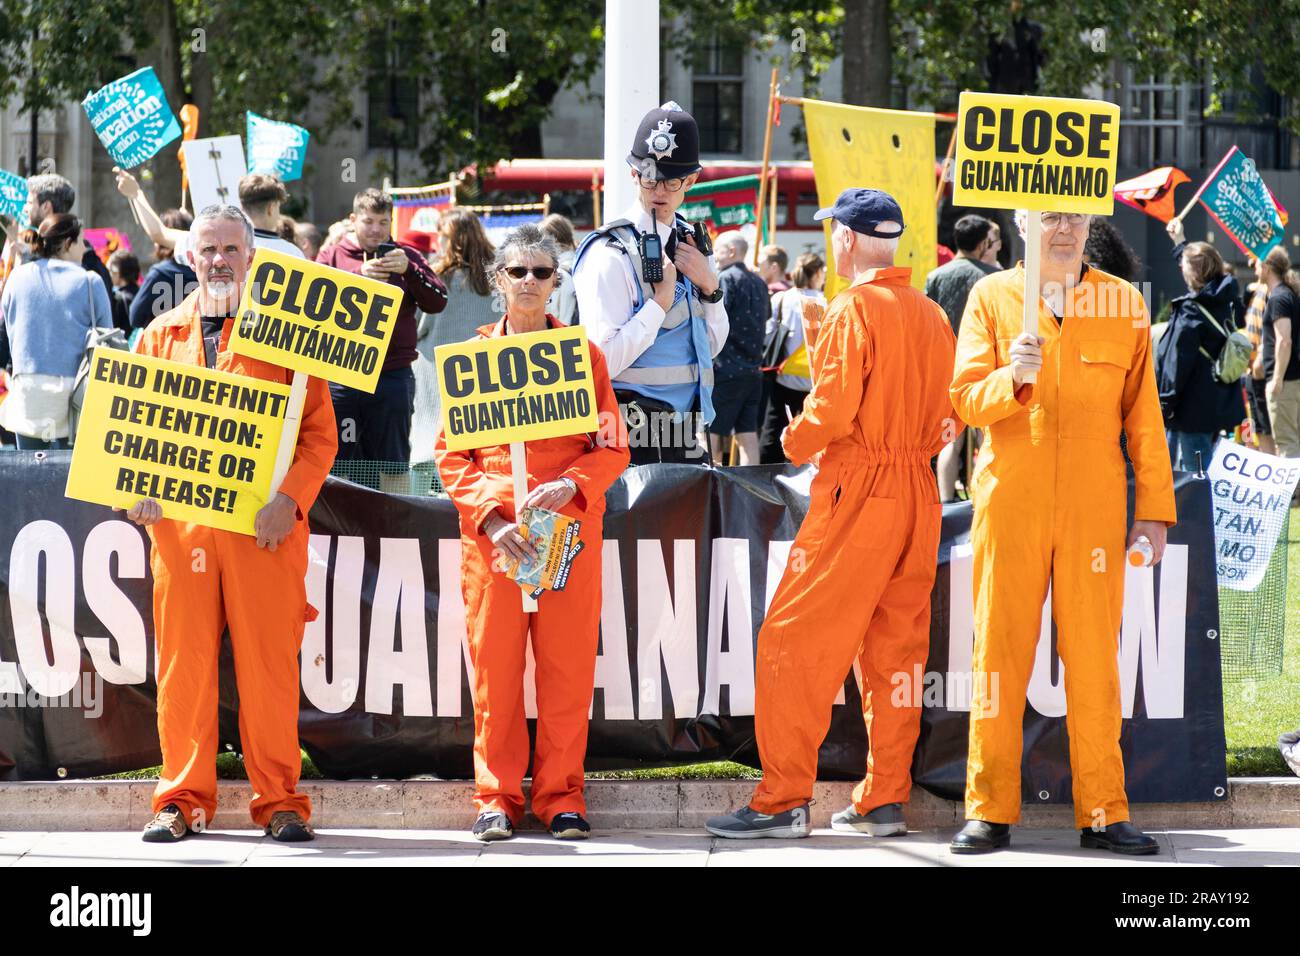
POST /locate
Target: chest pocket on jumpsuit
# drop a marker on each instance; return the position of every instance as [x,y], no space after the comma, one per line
[1102,367]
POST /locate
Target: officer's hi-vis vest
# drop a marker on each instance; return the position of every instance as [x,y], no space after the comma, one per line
[678,363]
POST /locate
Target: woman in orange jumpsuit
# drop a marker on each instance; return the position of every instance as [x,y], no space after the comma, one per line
[570,475]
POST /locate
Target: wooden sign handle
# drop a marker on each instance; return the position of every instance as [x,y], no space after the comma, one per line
[519,472]
[1033,248]
[289,436]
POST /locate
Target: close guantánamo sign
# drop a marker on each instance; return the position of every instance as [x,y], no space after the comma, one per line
[516,388]
[201,443]
[1041,153]
[316,319]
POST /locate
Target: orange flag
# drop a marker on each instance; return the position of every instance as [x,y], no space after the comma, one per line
[190,129]
[1153,192]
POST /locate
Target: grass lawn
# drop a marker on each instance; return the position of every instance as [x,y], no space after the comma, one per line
[1255,713]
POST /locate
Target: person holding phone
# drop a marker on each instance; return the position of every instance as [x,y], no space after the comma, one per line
[377,427]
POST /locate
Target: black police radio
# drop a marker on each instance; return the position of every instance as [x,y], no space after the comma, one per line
[652,256]
[652,251]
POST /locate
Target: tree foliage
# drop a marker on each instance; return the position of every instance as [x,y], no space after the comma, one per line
[487,71]
[940,46]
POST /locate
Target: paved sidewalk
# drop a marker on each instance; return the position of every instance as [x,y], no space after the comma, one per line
[342,847]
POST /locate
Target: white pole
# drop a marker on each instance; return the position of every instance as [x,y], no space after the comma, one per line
[631,90]
[1033,291]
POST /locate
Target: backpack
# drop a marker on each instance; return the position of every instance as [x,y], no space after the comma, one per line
[1234,358]
[112,338]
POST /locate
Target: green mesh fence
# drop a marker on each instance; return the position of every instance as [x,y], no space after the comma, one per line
[1252,624]
[393,477]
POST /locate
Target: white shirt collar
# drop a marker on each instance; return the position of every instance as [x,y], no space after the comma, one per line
[641,219]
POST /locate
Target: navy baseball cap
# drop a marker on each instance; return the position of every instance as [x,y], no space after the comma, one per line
[862,209]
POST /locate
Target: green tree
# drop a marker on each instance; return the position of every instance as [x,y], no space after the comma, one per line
[936,48]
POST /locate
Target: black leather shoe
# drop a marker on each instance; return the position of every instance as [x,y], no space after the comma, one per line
[977,836]
[1119,838]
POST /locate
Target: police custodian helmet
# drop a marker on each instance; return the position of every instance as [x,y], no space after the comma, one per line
[667,144]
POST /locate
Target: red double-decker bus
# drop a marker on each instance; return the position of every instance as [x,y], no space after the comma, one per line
[572,183]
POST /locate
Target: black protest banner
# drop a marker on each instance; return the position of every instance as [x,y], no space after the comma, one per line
[689,554]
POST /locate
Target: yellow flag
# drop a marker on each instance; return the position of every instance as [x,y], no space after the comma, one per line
[891,150]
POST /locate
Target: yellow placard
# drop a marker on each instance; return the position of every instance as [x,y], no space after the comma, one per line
[892,150]
[516,388]
[1041,153]
[199,442]
[316,319]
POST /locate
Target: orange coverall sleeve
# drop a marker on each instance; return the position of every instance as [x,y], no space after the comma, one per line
[318,443]
[474,493]
[1144,424]
[982,392]
[846,355]
[609,455]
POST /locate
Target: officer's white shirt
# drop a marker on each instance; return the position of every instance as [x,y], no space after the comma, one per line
[607,297]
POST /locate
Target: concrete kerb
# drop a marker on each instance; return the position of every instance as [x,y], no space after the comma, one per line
[612,805]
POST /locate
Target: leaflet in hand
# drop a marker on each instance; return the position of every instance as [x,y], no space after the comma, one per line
[555,536]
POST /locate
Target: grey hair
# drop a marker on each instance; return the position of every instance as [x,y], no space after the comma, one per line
[525,239]
[219,213]
[733,238]
[53,189]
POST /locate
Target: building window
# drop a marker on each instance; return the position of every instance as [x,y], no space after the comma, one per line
[393,92]
[717,94]
[1161,124]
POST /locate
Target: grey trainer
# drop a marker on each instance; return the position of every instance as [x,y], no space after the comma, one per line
[883,821]
[747,824]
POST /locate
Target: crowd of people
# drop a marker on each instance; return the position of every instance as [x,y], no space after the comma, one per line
[448,291]
[697,357]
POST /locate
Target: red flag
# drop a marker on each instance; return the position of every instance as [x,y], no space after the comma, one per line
[1153,192]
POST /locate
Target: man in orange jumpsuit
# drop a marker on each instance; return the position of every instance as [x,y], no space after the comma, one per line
[1050,511]
[568,474]
[205,579]
[858,581]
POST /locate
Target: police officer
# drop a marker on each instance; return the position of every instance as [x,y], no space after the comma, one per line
[659,338]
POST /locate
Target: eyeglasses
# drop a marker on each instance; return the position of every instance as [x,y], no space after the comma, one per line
[671,185]
[1054,219]
[540,273]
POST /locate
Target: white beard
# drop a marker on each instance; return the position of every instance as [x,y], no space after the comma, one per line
[221,288]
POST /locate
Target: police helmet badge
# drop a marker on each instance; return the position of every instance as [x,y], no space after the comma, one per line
[662,141]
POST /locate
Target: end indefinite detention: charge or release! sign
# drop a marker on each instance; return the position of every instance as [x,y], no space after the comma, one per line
[200,442]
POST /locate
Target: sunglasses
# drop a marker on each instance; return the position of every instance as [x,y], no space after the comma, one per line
[540,273]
